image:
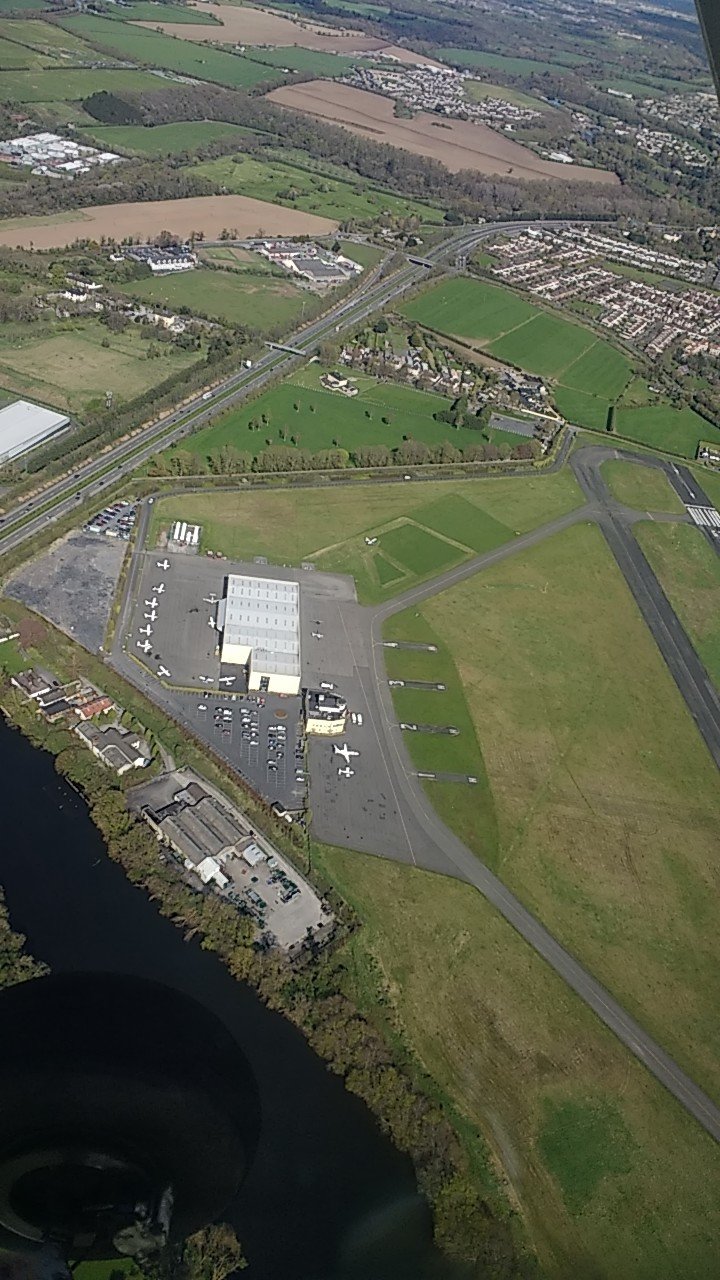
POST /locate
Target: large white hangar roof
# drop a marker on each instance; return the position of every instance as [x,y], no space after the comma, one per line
[24,425]
[263,615]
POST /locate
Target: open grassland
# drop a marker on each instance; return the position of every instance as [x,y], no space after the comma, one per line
[329,526]
[49,39]
[299,188]
[590,374]
[606,797]
[613,1179]
[512,329]
[250,26]
[147,11]
[314,62]
[481,90]
[468,808]
[643,488]
[478,58]
[258,301]
[162,51]
[66,365]
[689,571]
[457,144]
[209,214]
[663,427]
[68,85]
[14,55]
[163,139]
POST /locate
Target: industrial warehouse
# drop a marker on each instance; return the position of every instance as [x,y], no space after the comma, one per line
[24,425]
[260,624]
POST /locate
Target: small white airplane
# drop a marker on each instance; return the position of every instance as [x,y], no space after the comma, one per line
[163,564]
[211,622]
[371,541]
[145,646]
[151,616]
[227,679]
[145,631]
[163,671]
[346,773]
[317,635]
[211,599]
[345,752]
[153,603]
[206,679]
[160,588]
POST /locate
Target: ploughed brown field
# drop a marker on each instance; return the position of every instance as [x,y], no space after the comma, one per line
[458,144]
[245,25]
[209,214]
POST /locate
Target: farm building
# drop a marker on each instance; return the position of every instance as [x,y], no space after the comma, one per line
[260,622]
[24,425]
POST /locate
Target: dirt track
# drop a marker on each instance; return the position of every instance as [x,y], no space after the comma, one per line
[209,214]
[458,144]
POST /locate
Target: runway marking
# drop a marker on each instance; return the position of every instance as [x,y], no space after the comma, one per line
[705,517]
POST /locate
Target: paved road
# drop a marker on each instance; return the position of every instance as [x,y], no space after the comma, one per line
[457,858]
[423,839]
[671,638]
[93,478]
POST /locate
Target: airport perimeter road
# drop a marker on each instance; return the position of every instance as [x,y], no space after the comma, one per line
[688,672]
[92,478]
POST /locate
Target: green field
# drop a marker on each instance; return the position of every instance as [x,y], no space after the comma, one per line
[472,58]
[329,526]
[664,427]
[258,301]
[312,192]
[14,55]
[48,38]
[613,1179]
[65,365]
[644,488]
[163,139]
[146,11]
[605,795]
[689,571]
[167,53]
[67,85]
[300,412]
[480,90]
[314,61]
[590,373]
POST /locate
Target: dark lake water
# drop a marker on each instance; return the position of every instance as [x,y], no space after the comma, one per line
[328,1196]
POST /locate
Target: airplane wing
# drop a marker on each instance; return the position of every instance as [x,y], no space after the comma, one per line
[709,15]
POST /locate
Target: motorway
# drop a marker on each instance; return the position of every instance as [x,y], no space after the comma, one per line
[90,479]
[429,842]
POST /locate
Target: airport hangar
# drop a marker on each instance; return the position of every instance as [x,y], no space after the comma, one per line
[260,623]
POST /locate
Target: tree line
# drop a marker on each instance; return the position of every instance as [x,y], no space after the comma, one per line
[472,1224]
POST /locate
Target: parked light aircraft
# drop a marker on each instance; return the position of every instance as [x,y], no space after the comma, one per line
[145,631]
[160,588]
[346,773]
[317,635]
[345,752]
[145,646]
[163,564]
[163,671]
[153,603]
[211,599]
[151,616]
[206,679]
[227,679]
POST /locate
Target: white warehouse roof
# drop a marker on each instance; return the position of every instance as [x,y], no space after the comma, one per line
[263,615]
[24,425]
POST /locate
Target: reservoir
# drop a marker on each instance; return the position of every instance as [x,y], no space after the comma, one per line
[328,1196]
